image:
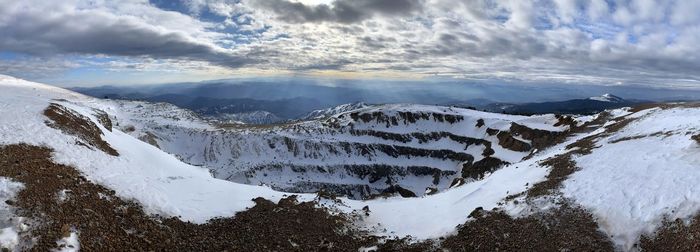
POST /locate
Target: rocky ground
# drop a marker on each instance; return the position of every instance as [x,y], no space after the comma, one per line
[675,235]
[105,222]
[563,229]
[72,123]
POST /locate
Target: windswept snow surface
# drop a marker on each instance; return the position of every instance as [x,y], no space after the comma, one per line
[631,184]
[159,181]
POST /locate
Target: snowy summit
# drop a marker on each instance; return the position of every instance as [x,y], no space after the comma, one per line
[607,98]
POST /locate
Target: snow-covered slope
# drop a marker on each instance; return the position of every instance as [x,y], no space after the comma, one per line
[159,181]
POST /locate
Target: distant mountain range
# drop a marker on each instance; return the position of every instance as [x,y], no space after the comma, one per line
[246,110]
[322,113]
[589,105]
[265,104]
[254,117]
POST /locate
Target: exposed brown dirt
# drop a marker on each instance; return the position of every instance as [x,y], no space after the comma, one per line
[105,222]
[103,118]
[393,190]
[73,123]
[674,236]
[584,145]
[478,169]
[479,123]
[565,120]
[599,120]
[286,226]
[561,167]
[540,138]
[491,131]
[506,140]
[563,229]
[150,138]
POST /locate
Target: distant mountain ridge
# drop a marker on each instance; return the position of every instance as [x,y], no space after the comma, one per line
[254,117]
[607,98]
[274,109]
[585,106]
[321,113]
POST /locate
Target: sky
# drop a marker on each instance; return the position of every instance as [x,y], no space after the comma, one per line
[570,42]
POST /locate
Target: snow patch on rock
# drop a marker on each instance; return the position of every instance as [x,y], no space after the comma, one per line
[10,225]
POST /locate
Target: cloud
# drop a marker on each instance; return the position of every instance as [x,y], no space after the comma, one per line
[342,11]
[36,68]
[70,30]
[648,42]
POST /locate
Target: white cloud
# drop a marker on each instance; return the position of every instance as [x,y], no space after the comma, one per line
[597,9]
[586,41]
[568,10]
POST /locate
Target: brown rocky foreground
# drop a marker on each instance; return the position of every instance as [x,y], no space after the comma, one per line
[105,222]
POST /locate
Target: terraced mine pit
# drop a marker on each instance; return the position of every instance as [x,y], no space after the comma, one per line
[362,153]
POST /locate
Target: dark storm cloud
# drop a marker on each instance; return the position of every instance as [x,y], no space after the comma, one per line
[342,11]
[93,33]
